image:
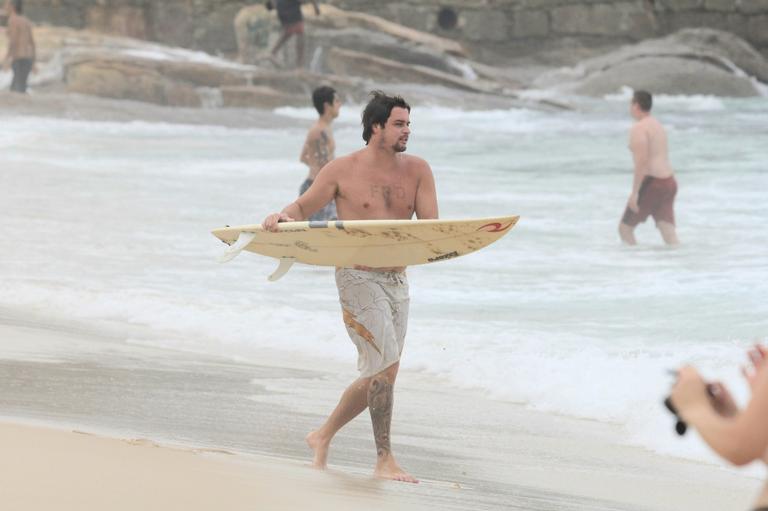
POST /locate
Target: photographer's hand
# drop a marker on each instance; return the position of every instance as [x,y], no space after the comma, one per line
[689,394]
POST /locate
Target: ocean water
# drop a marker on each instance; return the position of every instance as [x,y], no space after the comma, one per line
[107,224]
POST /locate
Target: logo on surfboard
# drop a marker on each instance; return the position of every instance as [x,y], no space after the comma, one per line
[495,227]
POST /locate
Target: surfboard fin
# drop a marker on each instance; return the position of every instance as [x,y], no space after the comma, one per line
[282,269]
[235,248]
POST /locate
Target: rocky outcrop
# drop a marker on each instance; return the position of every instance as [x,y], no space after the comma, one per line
[95,64]
[353,52]
[196,84]
[692,61]
[360,45]
[122,79]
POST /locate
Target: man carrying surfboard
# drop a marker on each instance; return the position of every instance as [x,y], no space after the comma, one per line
[319,147]
[376,182]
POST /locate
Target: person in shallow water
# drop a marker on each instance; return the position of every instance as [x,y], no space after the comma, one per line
[739,436]
[654,186]
[320,146]
[377,182]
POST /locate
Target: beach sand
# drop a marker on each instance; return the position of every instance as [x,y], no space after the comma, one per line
[93,422]
[46,469]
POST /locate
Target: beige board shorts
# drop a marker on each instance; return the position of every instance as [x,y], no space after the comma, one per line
[375,309]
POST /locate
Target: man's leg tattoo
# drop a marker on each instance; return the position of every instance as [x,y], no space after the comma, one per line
[380,399]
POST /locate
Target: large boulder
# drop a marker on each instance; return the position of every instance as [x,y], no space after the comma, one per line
[128,80]
[258,96]
[691,61]
[196,84]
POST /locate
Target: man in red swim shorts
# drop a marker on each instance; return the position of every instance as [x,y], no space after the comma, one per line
[292,21]
[654,186]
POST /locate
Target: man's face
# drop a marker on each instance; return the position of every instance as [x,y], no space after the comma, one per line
[334,107]
[397,130]
[634,109]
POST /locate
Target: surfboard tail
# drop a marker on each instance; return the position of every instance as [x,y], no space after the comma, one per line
[282,269]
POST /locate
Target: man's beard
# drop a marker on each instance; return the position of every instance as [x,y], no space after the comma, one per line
[400,147]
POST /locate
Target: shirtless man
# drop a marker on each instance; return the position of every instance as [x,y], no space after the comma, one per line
[21,46]
[319,148]
[376,182]
[654,186]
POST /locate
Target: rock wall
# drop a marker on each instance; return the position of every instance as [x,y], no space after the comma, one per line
[196,24]
[494,30]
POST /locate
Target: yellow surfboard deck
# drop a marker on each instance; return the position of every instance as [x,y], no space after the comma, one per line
[374,243]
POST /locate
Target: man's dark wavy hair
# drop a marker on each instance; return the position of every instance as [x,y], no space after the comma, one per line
[377,111]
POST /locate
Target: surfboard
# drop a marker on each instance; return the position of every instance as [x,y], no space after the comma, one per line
[374,243]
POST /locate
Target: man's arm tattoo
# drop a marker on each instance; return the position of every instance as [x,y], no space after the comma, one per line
[380,400]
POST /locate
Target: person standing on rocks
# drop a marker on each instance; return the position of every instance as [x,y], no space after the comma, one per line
[21,46]
[292,21]
[319,147]
[654,186]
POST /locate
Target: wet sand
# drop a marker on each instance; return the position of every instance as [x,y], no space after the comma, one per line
[232,435]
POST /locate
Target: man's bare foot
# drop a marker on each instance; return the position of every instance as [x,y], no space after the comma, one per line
[272,59]
[391,470]
[320,447]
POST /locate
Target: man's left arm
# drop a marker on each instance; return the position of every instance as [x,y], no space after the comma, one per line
[638,144]
[12,37]
[426,195]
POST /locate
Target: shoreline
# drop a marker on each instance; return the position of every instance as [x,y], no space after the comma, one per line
[464,448]
[59,104]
